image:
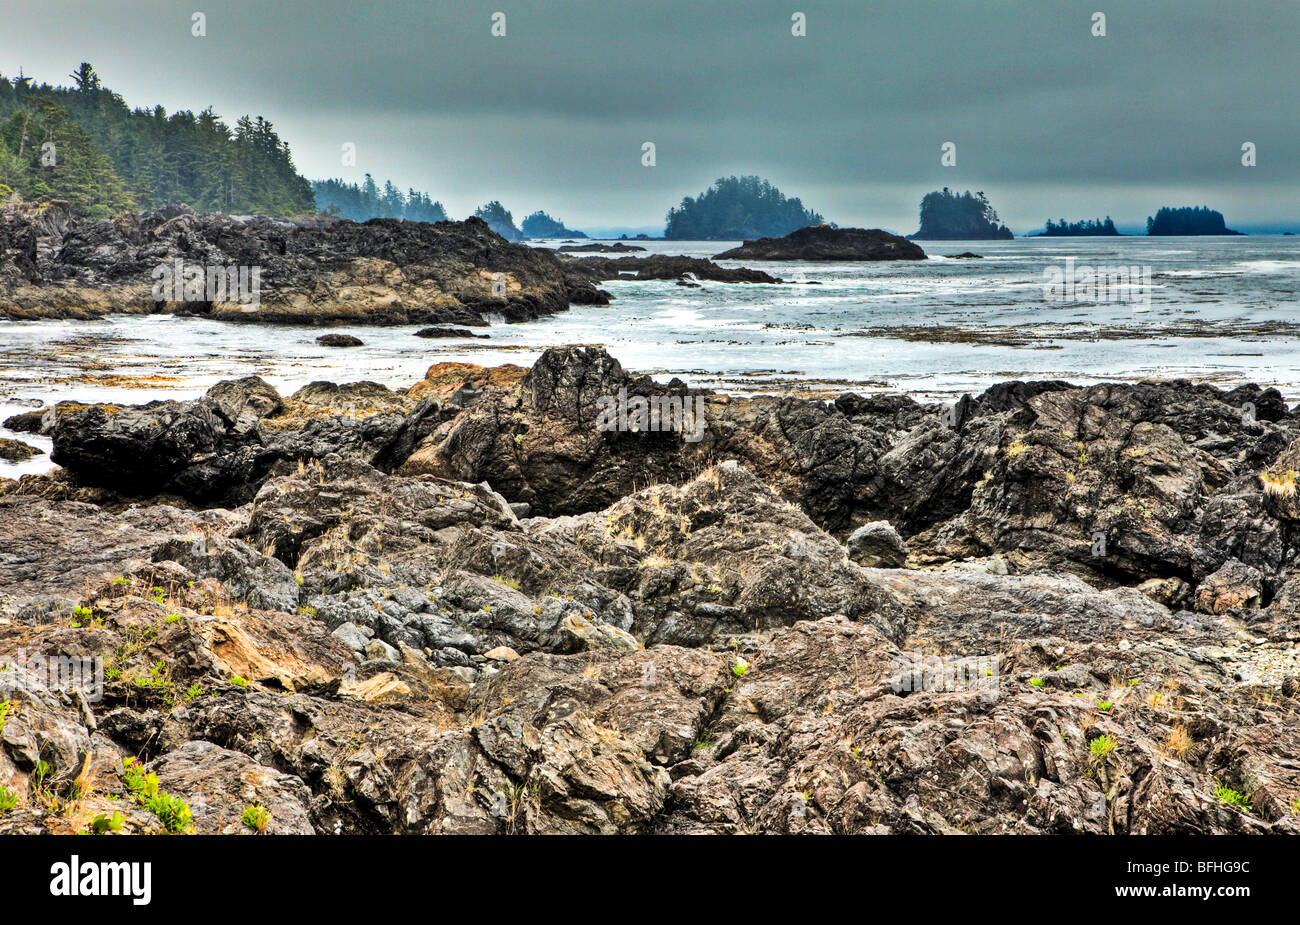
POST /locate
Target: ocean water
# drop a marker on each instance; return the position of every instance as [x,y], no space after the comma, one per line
[1220,310]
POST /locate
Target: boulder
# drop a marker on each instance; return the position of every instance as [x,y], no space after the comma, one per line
[1233,586]
[877,544]
[339,340]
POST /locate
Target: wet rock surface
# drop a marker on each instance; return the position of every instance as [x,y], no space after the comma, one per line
[466,608]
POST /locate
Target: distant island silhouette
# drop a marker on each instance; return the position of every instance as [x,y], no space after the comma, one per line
[1087,228]
[950,216]
[738,208]
[541,225]
[1188,220]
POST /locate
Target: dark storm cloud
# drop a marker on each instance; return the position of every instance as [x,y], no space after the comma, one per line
[1048,119]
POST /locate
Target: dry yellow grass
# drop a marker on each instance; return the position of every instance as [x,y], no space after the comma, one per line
[1178,741]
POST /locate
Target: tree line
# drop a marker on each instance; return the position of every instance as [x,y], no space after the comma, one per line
[84,144]
[366,200]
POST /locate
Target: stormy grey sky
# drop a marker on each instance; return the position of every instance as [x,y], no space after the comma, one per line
[1048,120]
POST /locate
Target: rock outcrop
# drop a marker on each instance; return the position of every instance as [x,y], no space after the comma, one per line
[822,242]
[466,608]
[664,266]
[310,270]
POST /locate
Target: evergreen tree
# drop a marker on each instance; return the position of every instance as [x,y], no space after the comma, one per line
[158,158]
[499,220]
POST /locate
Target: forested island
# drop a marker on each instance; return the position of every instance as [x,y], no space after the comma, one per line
[1188,220]
[1087,228]
[738,208]
[84,145]
[541,225]
[949,215]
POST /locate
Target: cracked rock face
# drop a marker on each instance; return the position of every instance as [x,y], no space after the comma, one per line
[469,610]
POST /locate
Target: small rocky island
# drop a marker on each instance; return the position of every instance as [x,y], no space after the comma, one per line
[947,215]
[1188,220]
[824,242]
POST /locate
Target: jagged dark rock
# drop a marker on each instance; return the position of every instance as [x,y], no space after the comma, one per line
[16,450]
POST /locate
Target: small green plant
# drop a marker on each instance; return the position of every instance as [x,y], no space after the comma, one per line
[4,711]
[172,812]
[141,785]
[256,817]
[741,667]
[121,581]
[309,611]
[158,679]
[8,799]
[1134,682]
[194,692]
[173,618]
[39,773]
[1104,705]
[238,681]
[102,824]
[157,595]
[1232,797]
[1036,682]
[1102,746]
[512,583]
[81,616]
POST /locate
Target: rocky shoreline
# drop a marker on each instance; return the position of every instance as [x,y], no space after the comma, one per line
[310,270]
[468,606]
